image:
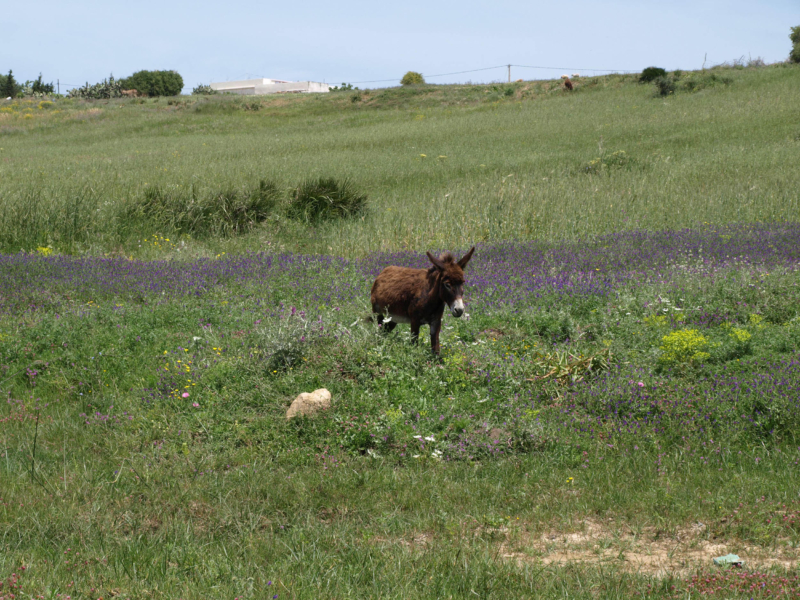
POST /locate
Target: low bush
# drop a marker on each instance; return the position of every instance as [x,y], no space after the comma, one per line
[412,78]
[691,82]
[225,212]
[326,199]
[684,347]
[700,81]
[203,90]
[665,86]
[108,88]
[154,83]
[555,328]
[651,74]
[739,343]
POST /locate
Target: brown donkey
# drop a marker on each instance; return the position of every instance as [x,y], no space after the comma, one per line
[418,296]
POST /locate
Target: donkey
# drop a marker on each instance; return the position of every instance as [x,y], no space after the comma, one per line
[418,296]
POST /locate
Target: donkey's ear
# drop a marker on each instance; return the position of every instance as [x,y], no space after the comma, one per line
[465,259]
[436,262]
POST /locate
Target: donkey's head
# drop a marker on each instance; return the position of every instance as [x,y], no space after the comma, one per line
[451,278]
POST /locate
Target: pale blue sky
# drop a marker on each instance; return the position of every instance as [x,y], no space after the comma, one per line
[356,40]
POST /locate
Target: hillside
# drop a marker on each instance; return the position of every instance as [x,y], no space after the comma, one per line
[443,166]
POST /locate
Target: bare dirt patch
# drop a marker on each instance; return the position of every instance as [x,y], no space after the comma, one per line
[647,552]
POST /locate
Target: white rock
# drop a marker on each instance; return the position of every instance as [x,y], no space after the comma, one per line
[308,404]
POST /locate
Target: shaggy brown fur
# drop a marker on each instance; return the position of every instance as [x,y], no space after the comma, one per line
[418,296]
[568,84]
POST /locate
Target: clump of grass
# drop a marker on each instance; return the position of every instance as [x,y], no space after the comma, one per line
[326,199]
[225,212]
[605,162]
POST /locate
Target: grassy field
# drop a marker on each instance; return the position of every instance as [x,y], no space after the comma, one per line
[620,405]
[443,166]
[144,450]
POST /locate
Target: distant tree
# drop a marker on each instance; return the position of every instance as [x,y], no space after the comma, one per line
[39,87]
[412,78]
[10,87]
[651,74]
[794,56]
[154,83]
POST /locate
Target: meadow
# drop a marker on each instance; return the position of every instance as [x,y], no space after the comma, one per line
[443,166]
[619,406]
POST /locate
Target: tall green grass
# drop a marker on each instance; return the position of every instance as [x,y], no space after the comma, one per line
[441,165]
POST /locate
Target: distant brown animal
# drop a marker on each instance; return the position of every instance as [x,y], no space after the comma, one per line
[130,93]
[568,84]
[418,296]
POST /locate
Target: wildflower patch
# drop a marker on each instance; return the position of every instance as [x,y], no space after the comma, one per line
[686,346]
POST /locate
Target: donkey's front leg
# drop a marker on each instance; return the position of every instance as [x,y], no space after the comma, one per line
[436,327]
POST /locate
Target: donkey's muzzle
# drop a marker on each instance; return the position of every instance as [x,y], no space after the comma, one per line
[458,308]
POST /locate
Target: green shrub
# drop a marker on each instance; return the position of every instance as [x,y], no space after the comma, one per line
[203,90]
[39,87]
[664,85]
[154,83]
[345,87]
[225,212]
[555,328]
[326,199]
[794,56]
[682,347]
[108,88]
[412,78]
[651,74]
[787,337]
[696,82]
[739,344]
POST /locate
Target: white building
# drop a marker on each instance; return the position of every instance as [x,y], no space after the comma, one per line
[257,87]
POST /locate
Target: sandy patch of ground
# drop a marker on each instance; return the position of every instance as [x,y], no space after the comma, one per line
[644,552]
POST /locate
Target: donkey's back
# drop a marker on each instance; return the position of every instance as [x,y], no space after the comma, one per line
[395,290]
